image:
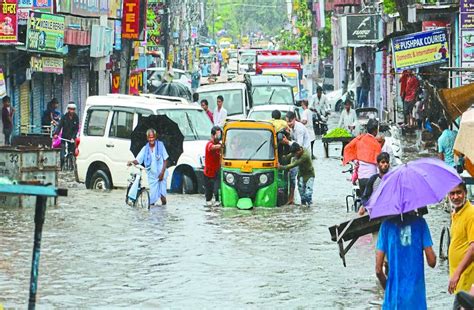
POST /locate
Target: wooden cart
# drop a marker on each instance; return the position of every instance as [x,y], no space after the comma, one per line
[326,141]
[355,228]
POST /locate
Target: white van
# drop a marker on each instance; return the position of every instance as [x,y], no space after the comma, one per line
[236,98]
[105,140]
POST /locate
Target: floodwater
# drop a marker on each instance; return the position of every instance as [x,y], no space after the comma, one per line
[98,252]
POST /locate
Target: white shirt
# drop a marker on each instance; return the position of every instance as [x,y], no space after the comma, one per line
[300,135]
[319,104]
[366,170]
[308,117]
[219,117]
[358,79]
[347,119]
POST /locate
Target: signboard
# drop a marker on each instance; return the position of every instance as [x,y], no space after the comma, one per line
[45,32]
[102,39]
[3,86]
[131,19]
[433,24]
[46,64]
[115,9]
[420,49]
[466,10]
[45,6]
[24,7]
[8,22]
[118,35]
[360,29]
[154,19]
[135,83]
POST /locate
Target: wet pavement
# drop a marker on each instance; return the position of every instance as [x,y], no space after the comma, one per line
[98,252]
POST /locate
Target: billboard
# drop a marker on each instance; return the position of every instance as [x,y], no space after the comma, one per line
[420,49]
[360,29]
[8,22]
[131,19]
[45,32]
[46,64]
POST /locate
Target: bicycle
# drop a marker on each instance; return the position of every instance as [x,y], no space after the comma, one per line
[69,159]
[142,199]
[355,195]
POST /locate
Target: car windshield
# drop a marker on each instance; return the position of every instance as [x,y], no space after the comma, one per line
[247,59]
[194,124]
[158,74]
[272,95]
[245,144]
[264,115]
[233,100]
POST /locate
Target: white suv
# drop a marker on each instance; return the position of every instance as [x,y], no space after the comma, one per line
[105,140]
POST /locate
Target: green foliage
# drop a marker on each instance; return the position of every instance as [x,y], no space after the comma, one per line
[324,39]
[302,40]
[389,6]
[240,18]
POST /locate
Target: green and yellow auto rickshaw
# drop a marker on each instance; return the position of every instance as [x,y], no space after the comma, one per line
[249,166]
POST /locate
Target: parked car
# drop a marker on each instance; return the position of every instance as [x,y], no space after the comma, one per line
[155,77]
[271,89]
[107,124]
[336,98]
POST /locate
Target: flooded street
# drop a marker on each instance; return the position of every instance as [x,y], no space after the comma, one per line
[98,252]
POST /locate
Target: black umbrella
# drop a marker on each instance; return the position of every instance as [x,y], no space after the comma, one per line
[168,132]
[174,89]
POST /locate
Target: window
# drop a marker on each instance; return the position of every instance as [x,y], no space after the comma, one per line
[233,100]
[194,124]
[249,144]
[96,122]
[122,125]
[272,95]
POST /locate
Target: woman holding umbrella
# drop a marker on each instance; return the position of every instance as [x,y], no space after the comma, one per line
[154,158]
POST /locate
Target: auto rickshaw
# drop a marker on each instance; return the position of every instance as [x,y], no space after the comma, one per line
[249,160]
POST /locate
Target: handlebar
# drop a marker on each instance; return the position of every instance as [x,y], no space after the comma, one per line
[67,140]
[350,170]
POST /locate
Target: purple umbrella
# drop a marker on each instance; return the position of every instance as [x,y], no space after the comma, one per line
[412,186]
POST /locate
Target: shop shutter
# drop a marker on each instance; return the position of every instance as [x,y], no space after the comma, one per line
[67,95]
[24,106]
[58,91]
[37,102]
[83,90]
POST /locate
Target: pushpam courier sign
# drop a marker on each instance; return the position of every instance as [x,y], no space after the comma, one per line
[130,19]
[420,49]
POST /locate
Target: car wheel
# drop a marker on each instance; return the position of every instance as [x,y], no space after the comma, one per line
[188,185]
[338,106]
[100,180]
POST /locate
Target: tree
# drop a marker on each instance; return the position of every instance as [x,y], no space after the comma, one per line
[301,41]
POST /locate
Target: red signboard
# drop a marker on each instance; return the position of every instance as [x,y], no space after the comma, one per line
[135,83]
[131,19]
[8,21]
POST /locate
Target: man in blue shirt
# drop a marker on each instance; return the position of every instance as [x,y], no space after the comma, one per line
[403,243]
[446,143]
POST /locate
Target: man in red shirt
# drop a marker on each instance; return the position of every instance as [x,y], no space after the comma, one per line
[411,92]
[212,165]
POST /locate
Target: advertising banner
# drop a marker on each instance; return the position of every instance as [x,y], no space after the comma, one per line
[155,12]
[8,22]
[46,64]
[45,32]
[135,83]
[3,86]
[115,9]
[433,24]
[45,6]
[466,10]
[360,29]
[24,7]
[131,19]
[420,49]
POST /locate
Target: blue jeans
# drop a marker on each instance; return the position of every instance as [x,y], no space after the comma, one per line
[306,190]
[364,98]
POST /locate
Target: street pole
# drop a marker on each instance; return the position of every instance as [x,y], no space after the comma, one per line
[40,212]
[213,21]
[125,66]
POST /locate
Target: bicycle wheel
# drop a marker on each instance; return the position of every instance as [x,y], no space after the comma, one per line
[143,199]
[444,242]
[127,200]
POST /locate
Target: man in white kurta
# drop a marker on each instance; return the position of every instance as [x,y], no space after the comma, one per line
[153,156]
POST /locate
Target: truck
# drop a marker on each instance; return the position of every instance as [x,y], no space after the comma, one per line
[286,63]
